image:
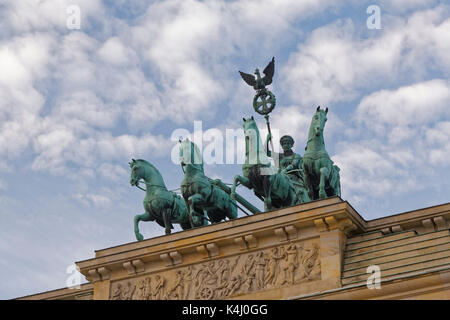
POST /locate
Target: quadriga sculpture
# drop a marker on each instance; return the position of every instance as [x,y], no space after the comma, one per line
[321,175]
[200,192]
[268,184]
[161,205]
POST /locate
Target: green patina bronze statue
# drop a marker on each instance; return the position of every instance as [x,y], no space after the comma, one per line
[293,180]
[271,186]
[290,163]
[278,189]
[321,175]
[161,205]
[264,100]
[200,192]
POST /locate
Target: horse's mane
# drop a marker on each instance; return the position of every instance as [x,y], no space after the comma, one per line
[156,171]
[196,150]
[252,124]
[147,163]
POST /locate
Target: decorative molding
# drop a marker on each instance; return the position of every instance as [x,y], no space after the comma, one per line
[241,243]
[213,249]
[172,258]
[129,267]
[396,228]
[176,257]
[138,265]
[392,229]
[291,231]
[94,276]
[202,250]
[428,225]
[281,234]
[346,225]
[440,223]
[332,223]
[166,258]
[104,272]
[286,233]
[321,225]
[246,242]
[209,250]
[251,240]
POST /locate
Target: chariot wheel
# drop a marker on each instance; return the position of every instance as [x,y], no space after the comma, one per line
[264,102]
[206,293]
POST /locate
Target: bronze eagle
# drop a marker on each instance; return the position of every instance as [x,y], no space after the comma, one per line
[257,82]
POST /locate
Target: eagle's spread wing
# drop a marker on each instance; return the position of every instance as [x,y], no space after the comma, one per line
[269,71]
[248,78]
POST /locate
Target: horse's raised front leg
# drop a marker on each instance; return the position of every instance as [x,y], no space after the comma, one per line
[233,188]
[324,172]
[236,181]
[239,180]
[140,217]
[230,208]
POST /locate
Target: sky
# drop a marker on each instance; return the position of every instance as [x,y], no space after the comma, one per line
[79,98]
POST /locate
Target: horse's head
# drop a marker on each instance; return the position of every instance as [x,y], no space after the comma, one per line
[249,124]
[143,170]
[190,153]
[137,171]
[254,150]
[318,121]
[251,131]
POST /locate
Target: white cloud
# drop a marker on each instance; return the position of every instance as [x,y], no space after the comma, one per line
[75,87]
[176,39]
[97,200]
[336,61]
[370,170]
[401,143]
[87,107]
[44,15]
[50,147]
[405,109]
[113,172]
[113,51]
[59,148]
[438,139]
[400,6]
[292,121]
[186,44]
[277,16]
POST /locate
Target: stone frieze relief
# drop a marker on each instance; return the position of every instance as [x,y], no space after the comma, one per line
[276,267]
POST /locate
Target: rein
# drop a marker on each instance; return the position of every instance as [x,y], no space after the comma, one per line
[152,185]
